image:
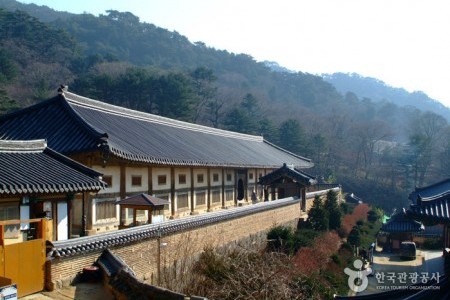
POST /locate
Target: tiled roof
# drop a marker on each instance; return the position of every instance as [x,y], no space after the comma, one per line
[434,191]
[143,200]
[289,172]
[431,203]
[28,167]
[72,123]
[431,210]
[401,222]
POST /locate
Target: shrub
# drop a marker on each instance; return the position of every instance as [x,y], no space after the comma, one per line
[280,239]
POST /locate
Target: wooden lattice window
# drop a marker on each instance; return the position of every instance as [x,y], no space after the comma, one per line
[229,195]
[182,201]
[215,196]
[215,177]
[200,198]
[229,177]
[105,209]
[162,179]
[200,178]
[136,180]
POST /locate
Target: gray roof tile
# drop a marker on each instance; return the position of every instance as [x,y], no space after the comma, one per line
[72,123]
[28,167]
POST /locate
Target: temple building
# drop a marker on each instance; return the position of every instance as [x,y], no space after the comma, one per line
[195,168]
[37,182]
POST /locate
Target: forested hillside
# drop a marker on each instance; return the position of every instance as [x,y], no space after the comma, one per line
[378,91]
[377,150]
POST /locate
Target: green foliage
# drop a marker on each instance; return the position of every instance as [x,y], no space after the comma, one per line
[8,71]
[333,210]
[317,216]
[280,239]
[7,104]
[245,117]
[117,58]
[432,243]
[291,136]
[354,237]
[304,237]
[284,239]
[374,215]
[346,208]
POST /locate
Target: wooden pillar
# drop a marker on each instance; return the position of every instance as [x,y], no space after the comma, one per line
[123,182]
[149,180]
[223,188]
[150,214]
[134,216]
[208,197]
[172,190]
[192,190]
[256,182]
[121,222]
[2,236]
[303,199]
[86,218]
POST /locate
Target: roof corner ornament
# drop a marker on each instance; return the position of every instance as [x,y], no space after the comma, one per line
[63,88]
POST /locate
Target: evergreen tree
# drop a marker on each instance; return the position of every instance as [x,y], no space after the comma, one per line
[354,237]
[317,216]
[333,211]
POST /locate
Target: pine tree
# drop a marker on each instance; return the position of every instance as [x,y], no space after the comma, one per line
[317,216]
[333,211]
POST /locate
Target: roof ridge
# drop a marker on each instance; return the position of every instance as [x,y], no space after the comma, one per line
[287,151]
[144,116]
[432,185]
[27,146]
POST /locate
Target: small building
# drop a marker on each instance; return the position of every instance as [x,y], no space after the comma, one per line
[38,182]
[431,205]
[400,227]
[286,182]
[141,209]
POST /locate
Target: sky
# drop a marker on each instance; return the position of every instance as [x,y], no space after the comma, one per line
[405,43]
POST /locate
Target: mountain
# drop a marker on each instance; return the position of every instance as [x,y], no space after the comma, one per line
[378,91]
[116,57]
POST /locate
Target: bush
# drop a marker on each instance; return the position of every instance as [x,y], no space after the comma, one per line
[433,243]
[280,238]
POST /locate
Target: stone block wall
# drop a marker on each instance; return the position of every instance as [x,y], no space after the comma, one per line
[170,249]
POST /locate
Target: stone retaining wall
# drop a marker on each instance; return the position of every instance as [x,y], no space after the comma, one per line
[168,244]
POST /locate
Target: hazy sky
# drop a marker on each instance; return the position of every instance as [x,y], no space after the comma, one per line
[405,43]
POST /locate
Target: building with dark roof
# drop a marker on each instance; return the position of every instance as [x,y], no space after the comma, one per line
[400,227]
[287,181]
[431,205]
[196,168]
[36,181]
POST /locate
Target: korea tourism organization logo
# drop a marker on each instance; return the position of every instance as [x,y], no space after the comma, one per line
[357,280]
